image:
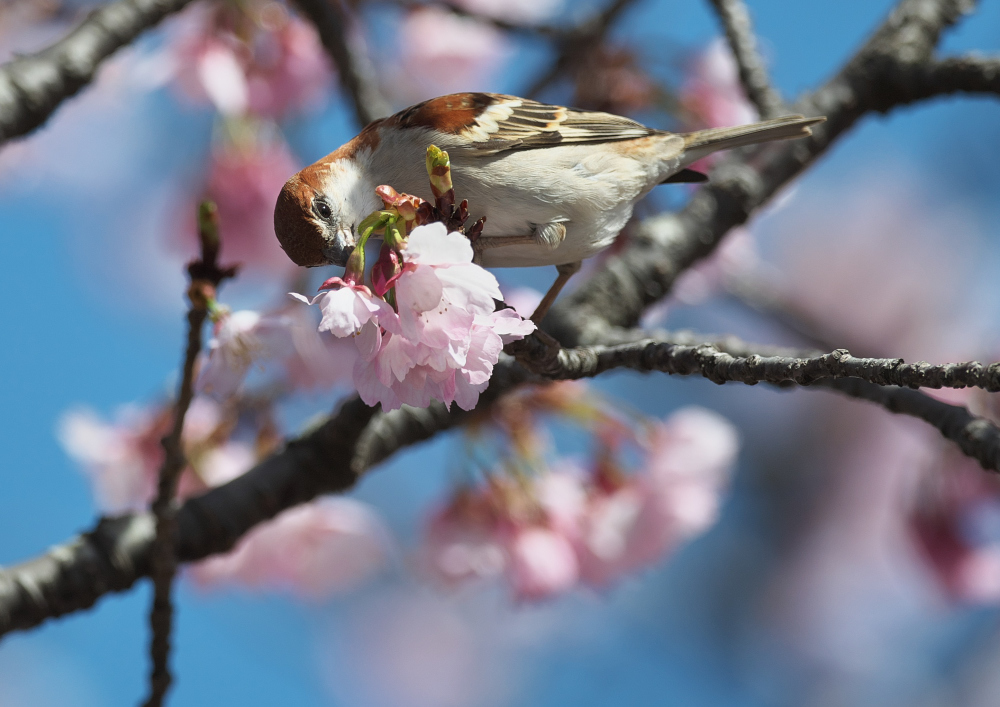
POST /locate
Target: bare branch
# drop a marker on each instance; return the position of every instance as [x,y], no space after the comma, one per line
[205,278]
[33,86]
[975,436]
[557,363]
[736,22]
[356,72]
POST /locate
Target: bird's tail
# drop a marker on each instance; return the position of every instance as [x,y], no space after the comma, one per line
[704,142]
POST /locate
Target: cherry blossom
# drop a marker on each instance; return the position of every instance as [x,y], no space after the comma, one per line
[955,523]
[633,521]
[543,563]
[272,66]
[242,339]
[462,542]
[325,547]
[444,337]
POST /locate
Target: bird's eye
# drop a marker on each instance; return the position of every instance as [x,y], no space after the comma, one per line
[322,209]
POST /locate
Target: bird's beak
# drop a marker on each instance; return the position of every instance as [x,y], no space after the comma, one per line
[339,248]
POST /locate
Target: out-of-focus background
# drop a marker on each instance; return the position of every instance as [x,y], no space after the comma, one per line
[855,558]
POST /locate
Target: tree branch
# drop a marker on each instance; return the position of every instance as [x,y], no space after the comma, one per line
[356,72]
[33,86]
[735,19]
[557,363]
[725,356]
[205,275]
[964,74]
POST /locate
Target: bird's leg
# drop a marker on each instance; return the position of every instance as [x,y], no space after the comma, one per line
[565,271]
[547,235]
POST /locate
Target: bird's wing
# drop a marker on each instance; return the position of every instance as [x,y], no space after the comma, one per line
[495,123]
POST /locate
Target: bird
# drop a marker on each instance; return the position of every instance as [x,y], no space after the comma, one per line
[556,185]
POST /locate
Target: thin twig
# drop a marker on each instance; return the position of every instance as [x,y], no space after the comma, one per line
[742,40]
[33,86]
[356,72]
[205,278]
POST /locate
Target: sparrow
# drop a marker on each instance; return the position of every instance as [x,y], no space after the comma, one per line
[555,184]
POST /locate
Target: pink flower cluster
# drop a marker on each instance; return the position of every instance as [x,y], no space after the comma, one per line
[566,527]
[252,59]
[327,546]
[443,337]
[123,458]
[441,52]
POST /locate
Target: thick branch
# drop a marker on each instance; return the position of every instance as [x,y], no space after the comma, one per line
[743,42]
[719,366]
[356,72]
[33,86]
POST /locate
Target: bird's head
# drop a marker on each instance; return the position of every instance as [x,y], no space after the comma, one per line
[318,211]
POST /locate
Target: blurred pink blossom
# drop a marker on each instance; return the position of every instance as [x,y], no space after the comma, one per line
[955,523]
[633,522]
[123,458]
[244,179]
[272,67]
[329,546]
[543,563]
[548,535]
[462,542]
[858,301]
[443,53]
[286,341]
[242,339]
[319,360]
[408,647]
